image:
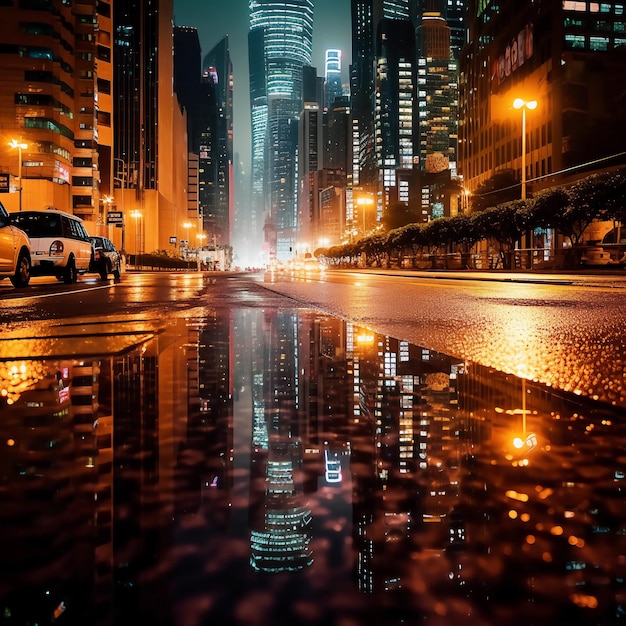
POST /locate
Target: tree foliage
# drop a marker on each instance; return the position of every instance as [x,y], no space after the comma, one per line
[569,211]
[501,187]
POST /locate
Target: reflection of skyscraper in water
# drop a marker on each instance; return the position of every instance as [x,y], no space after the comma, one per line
[407,400]
[56,494]
[203,466]
[279,535]
[439,457]
[283,541]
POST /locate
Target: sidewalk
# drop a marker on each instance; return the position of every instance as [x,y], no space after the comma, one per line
[587,277]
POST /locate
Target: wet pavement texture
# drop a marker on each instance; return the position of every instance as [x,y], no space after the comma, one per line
[562,330]
[254,462]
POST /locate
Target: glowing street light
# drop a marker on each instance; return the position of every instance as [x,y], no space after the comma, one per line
[518,103]
[201,237]
[20,145]
[187,226]
[364,202]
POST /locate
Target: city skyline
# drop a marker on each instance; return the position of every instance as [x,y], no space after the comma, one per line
[214,21]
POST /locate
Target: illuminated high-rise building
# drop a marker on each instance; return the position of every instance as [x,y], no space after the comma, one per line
[56,105]
[258,127]
[150,138]
[287,42]
[438,105]
[453,11]
[565,56]
[396,108]
[393,10]
[362,83]
[217,211]
[332,75]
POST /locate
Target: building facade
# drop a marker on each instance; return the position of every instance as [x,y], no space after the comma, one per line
[332,74]
[396,109]
[287,40]
[56,107]
[150,129]
[437,94]
[216,213]
[565,56]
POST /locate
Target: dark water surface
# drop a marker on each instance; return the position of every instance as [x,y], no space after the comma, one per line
[283,467]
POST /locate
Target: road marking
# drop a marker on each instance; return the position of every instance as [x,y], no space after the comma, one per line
[56,294]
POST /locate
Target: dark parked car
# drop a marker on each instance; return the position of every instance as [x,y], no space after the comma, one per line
[106,258]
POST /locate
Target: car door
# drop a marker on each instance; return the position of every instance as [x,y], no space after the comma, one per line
[87,245]
[81,244]
[7,245]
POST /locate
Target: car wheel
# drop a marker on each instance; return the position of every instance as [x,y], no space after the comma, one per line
[21,278]
[70,275]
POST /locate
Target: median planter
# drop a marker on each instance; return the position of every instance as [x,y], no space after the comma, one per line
[157,262]
[423,262]
[454,261]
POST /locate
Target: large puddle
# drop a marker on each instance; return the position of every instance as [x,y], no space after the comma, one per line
[284,467]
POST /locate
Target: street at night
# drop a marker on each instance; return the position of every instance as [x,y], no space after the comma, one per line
[312,313]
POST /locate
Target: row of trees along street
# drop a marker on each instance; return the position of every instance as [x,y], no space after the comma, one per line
[568,211]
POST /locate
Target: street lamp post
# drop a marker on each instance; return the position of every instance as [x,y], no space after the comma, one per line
[363,203]
[107,201]
[518,103]
[137,216]
[20,145]
[187,226]
[201,238]
[123,185]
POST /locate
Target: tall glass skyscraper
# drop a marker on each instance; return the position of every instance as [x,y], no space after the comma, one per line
[396,106]
[362,83]
[217,214]
[332,74]
[437,95]
[287,42]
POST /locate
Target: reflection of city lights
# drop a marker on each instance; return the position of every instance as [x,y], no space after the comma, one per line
[16,378]
[514,495]
[365,338]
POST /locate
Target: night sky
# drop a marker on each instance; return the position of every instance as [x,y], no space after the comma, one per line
[216,18]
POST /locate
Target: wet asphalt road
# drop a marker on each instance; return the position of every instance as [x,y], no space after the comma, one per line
[566,331]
